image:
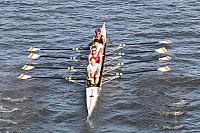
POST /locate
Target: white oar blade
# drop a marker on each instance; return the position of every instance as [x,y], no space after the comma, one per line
[23,76]
[121,45]
[121,54]
[33,49]
[161,50]
[164,69]
[27,67]
[165,42]
[166,58]
[33,56]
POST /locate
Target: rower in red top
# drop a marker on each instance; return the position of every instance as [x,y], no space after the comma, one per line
[97,55]
[99,36]
[99,46]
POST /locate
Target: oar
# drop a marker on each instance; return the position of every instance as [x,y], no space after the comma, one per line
[143,43]
[71,68]
[36,56]
[160,50]
[32,49]
[161,69]
[166,58]
[24,76]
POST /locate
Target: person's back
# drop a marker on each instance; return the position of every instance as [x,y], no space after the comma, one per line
[98,36]
[100,47]
[94,53]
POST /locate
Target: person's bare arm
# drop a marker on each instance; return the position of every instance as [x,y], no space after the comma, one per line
[98,73]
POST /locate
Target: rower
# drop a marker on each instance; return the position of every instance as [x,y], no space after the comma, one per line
[100,47]
[99,36]
[97,55]
[93,72]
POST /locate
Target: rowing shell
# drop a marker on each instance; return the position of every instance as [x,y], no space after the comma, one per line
[92,93]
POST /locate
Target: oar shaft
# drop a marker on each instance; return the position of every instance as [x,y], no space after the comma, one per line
[59,68]
[71,78]
[54,49]
[132,44]
[65,57]
[51,56]
[43,77]
[73,49]
[122,73]
[134,52]
[142,71]
[140,52]
[139,61]
[144,43]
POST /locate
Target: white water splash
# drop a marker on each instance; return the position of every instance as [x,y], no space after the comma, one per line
[89,122]
[173,113]
[5,110]
[180,104]
[8,121]
[165,127]
[14,100]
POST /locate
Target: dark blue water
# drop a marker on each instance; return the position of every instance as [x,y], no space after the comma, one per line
[140,102]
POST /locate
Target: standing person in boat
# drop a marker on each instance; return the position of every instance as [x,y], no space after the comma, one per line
[99,36]
[93,72]
[94,53]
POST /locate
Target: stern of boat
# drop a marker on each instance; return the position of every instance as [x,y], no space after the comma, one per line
[91,95]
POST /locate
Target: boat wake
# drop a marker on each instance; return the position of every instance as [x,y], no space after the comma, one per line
[14,100]
[5,110]
[8,121]
[166,127]
[173,113]
[89,123]
[108,79]
[180,104]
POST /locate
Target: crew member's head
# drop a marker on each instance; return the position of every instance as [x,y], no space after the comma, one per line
[93,60]
[93,49]
[96,42]
[98,31]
